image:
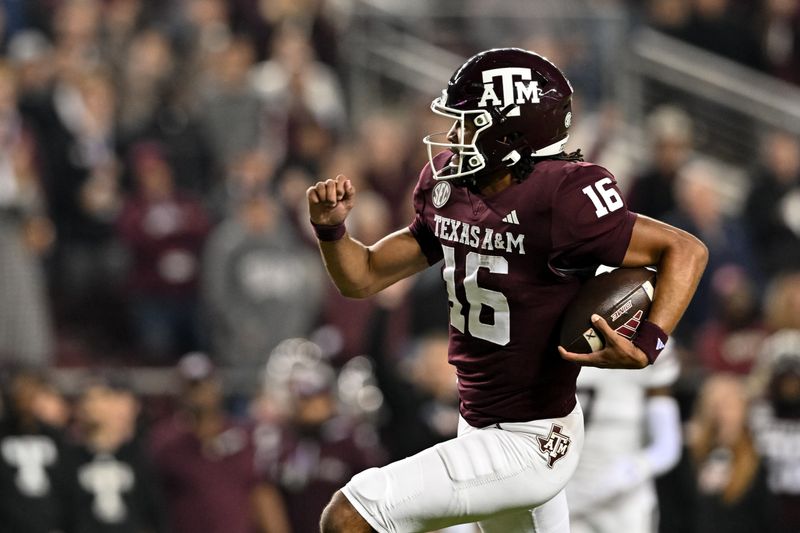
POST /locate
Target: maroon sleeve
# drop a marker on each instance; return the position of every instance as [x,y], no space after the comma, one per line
[591,222]
[420,229]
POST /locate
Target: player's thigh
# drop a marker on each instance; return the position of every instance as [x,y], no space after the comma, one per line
[497,469]
[550,517]
[414,494]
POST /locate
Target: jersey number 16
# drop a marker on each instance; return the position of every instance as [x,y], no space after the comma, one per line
[604,200]
[500,331]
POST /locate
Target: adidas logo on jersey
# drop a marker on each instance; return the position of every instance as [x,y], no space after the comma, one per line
[511,218]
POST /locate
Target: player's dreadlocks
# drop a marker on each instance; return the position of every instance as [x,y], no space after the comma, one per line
[573,157]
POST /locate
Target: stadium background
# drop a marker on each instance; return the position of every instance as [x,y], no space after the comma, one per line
[154,157]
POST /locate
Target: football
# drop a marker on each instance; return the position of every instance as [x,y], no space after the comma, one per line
[622,297]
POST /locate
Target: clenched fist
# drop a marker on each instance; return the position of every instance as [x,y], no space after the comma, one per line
[331,200]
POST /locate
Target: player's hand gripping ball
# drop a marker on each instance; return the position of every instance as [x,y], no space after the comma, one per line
[622,297]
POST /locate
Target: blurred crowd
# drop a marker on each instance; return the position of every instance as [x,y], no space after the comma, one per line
[154,157]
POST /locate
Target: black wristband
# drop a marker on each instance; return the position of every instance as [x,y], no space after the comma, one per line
[650,339]
[328,233]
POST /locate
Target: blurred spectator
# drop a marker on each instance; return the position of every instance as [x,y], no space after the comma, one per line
[262,18]
[33,463]
[76,26]
[772,209]
[731,340]
[314,450]
[115,490]
[782,302]
[669,16]
[669,130]
[633,434]
[206,462]
[177,127]
[51,408]
[232,112]
[780,38]
[729,481]
[385,149]
[31,54]
[249,170]
[81,179]
[421,397]
[261,282]
[776,420]
[699,211]
[147,70]
[164,230]
[121,20]
[201,27]
[720,26]
[302,93]
[290,187]
[25,233]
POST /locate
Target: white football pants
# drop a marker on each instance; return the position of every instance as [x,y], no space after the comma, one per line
[509,478]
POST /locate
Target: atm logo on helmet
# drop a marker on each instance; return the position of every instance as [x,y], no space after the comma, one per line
[517,88]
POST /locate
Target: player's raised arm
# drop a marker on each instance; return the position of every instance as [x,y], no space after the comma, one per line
[358,270]
[680,259]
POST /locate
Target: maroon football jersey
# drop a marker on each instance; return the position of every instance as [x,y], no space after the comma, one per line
[508,260]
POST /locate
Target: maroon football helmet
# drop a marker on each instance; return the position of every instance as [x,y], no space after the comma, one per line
[518,104]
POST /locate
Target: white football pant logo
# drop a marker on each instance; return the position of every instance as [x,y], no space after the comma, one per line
[517,91]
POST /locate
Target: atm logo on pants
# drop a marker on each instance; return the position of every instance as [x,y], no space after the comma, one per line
[555,446]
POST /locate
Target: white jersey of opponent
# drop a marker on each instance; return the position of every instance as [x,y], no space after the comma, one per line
[612,488]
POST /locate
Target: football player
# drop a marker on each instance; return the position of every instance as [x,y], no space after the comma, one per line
[515,220]
[632,434]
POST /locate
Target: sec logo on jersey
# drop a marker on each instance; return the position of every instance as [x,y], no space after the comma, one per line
[441,193]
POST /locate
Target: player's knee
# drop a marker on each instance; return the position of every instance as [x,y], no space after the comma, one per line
[340,516]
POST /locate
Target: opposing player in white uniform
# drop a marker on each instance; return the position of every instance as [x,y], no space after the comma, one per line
[632,434]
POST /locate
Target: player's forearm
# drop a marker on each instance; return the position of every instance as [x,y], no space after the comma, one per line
[359,271]
[680,268]
[347,261]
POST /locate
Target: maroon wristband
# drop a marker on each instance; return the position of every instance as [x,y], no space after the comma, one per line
[328,233]
[650,339]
